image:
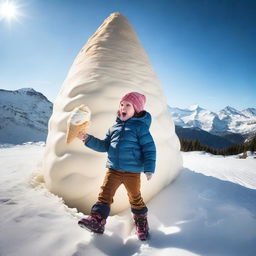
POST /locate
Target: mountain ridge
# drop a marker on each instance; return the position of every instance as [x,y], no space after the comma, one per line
[24,115]
[227,120]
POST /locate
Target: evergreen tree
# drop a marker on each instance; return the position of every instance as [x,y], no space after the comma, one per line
[195,145]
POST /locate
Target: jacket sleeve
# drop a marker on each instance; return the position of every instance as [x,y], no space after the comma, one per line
[148,149]
[97,144]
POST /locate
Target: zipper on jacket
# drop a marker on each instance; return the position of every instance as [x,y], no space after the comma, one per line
[117,147]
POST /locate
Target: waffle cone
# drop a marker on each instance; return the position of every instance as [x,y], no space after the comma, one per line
[74,130]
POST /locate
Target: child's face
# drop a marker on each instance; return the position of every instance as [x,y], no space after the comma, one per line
[126,110]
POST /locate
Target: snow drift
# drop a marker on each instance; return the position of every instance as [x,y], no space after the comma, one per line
[111,64]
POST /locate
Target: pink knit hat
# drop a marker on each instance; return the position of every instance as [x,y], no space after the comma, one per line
[138,100]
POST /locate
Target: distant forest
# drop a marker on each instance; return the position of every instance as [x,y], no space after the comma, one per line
[195,145]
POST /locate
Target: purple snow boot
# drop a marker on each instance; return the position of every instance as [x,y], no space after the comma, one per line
[94,223]
[141,224]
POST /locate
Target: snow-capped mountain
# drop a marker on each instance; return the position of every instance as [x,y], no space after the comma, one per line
[24,116]
[228,120]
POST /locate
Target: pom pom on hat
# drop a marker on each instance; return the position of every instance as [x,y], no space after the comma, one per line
[138,100]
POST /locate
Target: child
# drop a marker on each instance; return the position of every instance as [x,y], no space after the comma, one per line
[131,150]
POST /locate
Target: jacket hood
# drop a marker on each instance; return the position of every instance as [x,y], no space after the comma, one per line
[146,118]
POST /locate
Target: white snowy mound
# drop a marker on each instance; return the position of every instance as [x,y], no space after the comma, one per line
[111,64]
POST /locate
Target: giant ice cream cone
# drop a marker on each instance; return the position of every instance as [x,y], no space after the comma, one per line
[78,122]
[111,64]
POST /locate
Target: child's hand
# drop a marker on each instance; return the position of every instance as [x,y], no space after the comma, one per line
[82,136]
[149,175]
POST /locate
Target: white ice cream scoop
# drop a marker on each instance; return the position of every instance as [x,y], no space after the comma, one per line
[78,122]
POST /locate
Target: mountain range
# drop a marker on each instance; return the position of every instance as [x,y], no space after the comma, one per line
[227,120]
[24,116]
[217,130]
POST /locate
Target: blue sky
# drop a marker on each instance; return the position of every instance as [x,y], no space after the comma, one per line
[203,51]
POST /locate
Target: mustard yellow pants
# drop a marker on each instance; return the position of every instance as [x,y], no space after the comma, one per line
[113,179]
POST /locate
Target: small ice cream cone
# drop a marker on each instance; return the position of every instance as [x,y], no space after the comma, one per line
[74,130]
[78,122]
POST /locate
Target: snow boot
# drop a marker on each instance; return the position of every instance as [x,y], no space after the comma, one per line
[141,225]
[94,223]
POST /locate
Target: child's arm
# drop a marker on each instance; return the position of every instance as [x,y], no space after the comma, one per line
[148,149]
[97,144]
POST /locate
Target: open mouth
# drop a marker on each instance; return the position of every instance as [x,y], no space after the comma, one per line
[123,114]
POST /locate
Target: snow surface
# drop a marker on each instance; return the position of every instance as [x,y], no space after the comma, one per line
[210,210]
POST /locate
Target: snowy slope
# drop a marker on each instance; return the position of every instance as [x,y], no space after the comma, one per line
[226,120]
[239,121]
[208,210]
[24,116]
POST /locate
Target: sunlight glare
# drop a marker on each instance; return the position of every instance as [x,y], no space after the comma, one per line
[8,10]
[169,230]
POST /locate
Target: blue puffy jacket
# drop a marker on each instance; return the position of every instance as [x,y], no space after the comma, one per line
[129,145]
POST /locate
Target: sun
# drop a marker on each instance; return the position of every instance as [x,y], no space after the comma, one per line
[8,10]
